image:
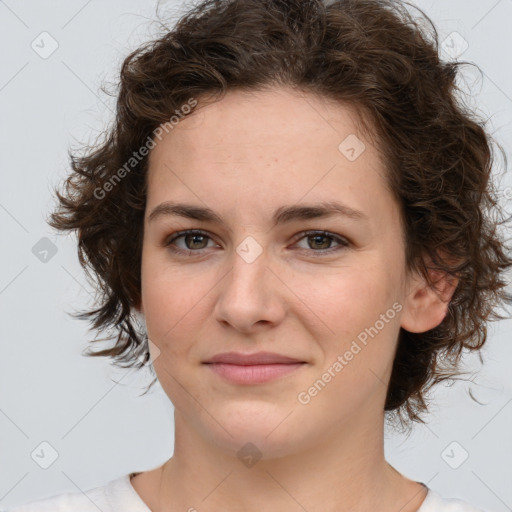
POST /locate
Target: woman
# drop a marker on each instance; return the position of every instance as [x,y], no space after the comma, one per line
[295,207]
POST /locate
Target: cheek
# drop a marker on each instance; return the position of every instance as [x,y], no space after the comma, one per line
[360,309]
[349,299]
[172,302]
[172,308]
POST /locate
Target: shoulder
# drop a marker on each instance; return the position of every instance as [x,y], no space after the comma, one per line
[434,502]
[116,493]
[65,502]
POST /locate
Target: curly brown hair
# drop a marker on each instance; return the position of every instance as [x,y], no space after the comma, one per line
[369,53]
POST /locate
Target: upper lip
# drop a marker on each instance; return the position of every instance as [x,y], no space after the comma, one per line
[252,359]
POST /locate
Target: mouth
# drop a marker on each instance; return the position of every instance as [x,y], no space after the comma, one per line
[255,368]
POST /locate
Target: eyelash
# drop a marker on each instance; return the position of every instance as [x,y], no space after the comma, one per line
[343,243]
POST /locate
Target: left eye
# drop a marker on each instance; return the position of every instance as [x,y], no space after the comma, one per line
[323,239]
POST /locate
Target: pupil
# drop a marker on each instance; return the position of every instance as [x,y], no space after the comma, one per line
[195,237]
[320,237]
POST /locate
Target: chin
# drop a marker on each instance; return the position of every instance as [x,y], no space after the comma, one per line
[270,433]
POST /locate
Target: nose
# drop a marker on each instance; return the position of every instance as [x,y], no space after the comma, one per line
[250,296]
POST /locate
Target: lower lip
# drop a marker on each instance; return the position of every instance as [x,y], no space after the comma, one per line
[253,374]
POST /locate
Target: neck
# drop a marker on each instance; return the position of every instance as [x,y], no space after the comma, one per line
[345,471]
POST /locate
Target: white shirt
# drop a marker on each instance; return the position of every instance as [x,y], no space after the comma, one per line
[120,496]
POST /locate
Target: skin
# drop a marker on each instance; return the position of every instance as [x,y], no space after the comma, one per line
[244,157]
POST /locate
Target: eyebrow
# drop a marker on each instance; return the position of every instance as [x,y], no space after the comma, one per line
[282,215]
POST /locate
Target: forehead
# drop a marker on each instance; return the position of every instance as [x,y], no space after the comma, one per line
[254,147]
[271,119]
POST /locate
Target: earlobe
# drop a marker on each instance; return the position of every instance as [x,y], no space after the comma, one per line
[425,306]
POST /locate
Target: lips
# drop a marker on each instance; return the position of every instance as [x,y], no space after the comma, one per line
[257,358]
[251,369]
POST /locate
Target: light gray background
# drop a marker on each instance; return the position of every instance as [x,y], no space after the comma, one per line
[91,413]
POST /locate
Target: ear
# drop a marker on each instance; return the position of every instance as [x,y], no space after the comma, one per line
[426,306]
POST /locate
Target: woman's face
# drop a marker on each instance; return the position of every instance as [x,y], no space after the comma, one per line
[332,301]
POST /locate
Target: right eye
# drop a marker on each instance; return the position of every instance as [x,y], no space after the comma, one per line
[194,240]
